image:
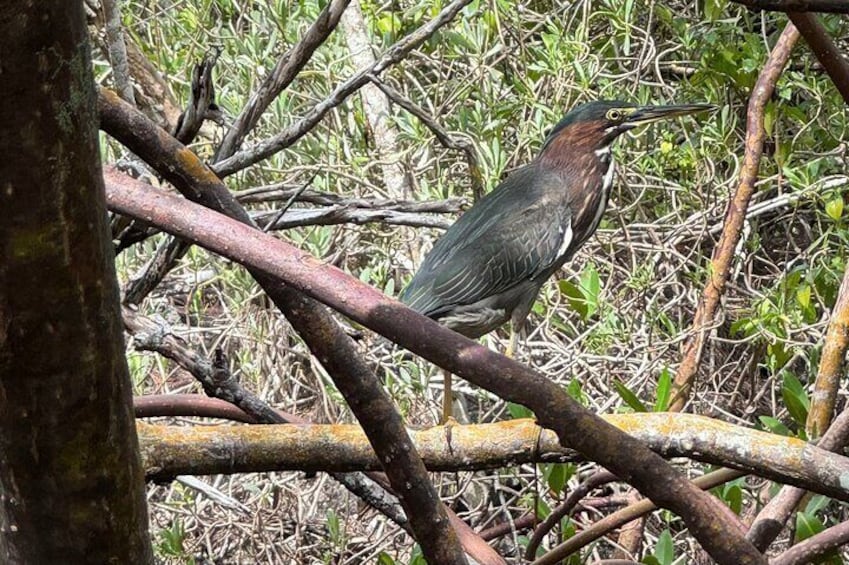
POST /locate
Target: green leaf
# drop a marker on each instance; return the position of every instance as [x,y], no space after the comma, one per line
[385,559]
[795,398]
[591,285]
[556,476]
[664,550]
[834,208]
[575,296]
[664,390]
[576,391]
[734,498]
[807,525]
[518,411]
[803,296]
[774,425]
[629,397]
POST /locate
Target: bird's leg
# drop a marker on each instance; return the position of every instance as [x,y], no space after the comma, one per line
[447,399]
[514,342]
[517,324]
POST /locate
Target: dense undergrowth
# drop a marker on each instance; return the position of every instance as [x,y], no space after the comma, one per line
[609,328]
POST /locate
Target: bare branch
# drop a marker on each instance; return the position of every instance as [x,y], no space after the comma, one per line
[284,72]
[487,446]
[294,132]
[191,405]
[334,215]
[816,546]
[723,254]
[826,52]
[201,105]
[834,6]
[447,140]
[576,426]
[117,49]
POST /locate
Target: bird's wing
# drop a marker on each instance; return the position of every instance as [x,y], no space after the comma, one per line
[511,236]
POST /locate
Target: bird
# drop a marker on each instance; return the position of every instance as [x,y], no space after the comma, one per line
[490,265]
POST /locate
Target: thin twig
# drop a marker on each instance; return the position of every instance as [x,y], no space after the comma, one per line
[617,519]
[724,252]
[334,215]
[284,72]
[466,147]
[294,132]
[552,520]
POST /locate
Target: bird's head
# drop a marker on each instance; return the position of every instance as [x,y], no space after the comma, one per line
[595,125]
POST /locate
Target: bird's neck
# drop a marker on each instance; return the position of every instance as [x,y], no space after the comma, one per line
[587,176]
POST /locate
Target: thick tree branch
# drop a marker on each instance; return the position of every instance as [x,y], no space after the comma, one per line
[823,47]
[342,448]
[295,131]
[834,6]
[576,426]
[723,255]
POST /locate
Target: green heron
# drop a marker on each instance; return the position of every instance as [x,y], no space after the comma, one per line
[490,265]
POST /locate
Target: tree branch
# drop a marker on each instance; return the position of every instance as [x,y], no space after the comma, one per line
[723,255]
[284,72]
[826,52]
[824,394]
[344,448]
[834,6]
[504,377]
[295,131]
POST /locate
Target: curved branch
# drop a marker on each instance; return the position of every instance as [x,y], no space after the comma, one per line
[723,255]
[575,425]
[621,517]
[815,546]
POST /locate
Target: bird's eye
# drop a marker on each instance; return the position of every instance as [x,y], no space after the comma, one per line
[614,115]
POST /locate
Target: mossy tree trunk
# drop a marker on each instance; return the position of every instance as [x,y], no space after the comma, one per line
[71,486]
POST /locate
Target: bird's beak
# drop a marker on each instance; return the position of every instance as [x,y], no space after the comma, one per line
[648,114]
